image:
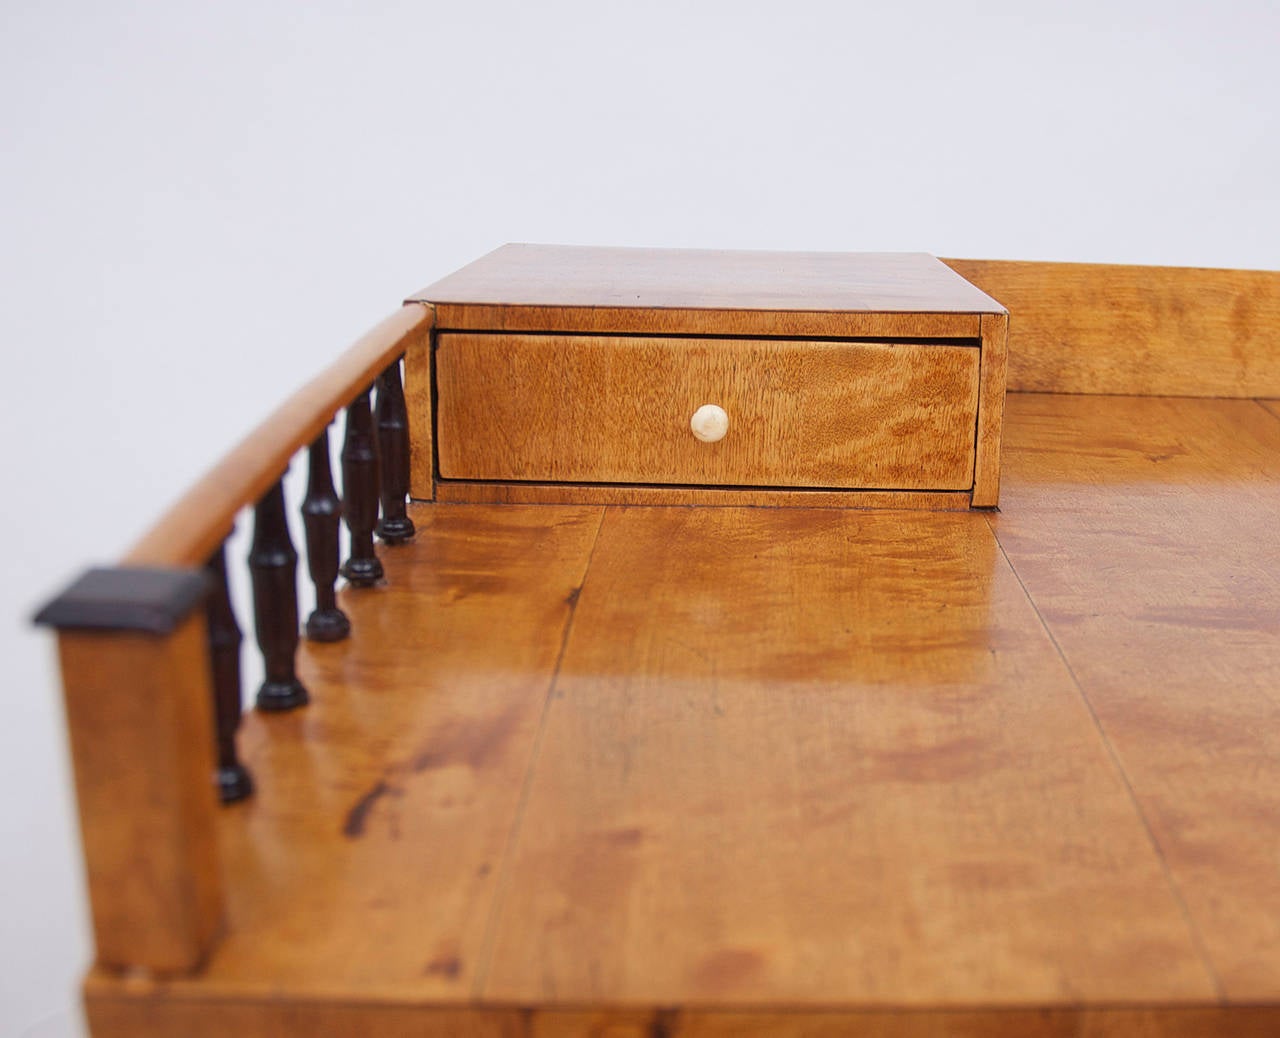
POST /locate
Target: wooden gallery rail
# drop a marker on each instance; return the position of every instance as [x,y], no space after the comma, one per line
[146,645]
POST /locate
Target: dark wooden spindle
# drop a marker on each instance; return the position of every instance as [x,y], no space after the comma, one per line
[395,527]
[321,514]
[360,493]
[274,565]
[234,782]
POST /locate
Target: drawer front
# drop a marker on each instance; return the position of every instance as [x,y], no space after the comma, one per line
[603,409]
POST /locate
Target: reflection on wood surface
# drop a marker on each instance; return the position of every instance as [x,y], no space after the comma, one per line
[677,771]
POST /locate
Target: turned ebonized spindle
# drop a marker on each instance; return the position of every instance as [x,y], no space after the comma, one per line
[274,566]
[392,416]
[360,493]
[321,515]
[234,781]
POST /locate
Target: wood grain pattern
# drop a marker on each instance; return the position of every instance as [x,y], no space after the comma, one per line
[1191,1022]
[463,492]
[140,719]
[115,1012]
[1146,531]
[370,866]
[419,402]
[202,518]
[606,320]
[616,410]
[995,357]
[567,277]
[802,772]
[825,757]
[1173,331]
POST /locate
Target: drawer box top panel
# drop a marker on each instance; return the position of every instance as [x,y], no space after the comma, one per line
[561,288]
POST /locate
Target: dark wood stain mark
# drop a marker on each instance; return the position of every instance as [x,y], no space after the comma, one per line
[1209,732]
[461,585]
[728,968]
[951,761]
[358,816]
[448,966]
[571,599]
[1248,616]
[1244,324]
[1108,448]
[990,875]
[631,836]
[470,741]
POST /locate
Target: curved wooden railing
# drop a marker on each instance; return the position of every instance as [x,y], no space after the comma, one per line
[375,466]
[146,646]
[197,523]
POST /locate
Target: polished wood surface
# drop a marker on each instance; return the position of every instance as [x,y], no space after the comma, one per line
[1102,328]
[202,518]
[779,323]
[467,492]
[677,279]
[376,861]
[562,288]
[140,715]
[995,362]
[552,408]
[866,779]
[1147,532]
[626,770]
[112,1015]
[418,378]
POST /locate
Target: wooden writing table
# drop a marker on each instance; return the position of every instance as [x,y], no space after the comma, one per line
[608,769]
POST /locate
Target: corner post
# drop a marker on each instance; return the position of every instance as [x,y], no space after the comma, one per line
[133,648]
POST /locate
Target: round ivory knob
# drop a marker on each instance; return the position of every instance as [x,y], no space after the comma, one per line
[709,423]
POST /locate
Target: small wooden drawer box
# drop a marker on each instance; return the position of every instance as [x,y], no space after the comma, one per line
[680,376]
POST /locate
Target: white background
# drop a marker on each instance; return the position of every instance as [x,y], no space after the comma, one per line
[203,204]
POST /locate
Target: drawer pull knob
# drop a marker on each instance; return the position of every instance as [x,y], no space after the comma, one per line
[709,423]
